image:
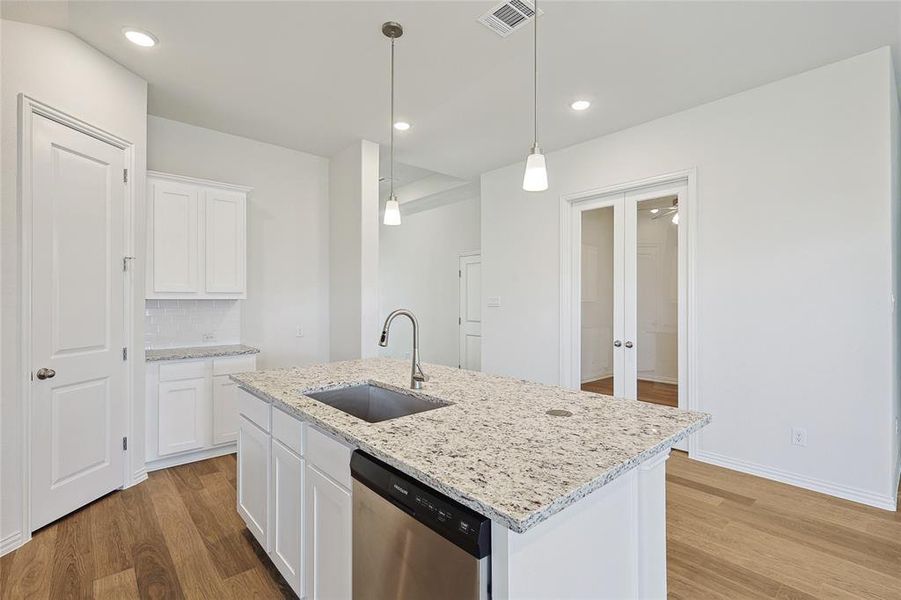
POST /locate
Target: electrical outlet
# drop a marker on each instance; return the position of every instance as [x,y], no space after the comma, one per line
[299,331]
[494,301]
[208,337]
[799,436]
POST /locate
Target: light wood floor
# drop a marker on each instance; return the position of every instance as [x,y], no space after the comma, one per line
[666,394]
[729,536]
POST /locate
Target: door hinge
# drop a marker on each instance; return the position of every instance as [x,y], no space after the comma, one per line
[460,273]
[124,175]
[125,443]
[459,320]
[125,260]
[124,353]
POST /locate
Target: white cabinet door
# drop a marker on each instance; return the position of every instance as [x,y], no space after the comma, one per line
[328,537]
[183,415]
[224,242]
[253,479]
[225,410]
[287,515]
[173,239]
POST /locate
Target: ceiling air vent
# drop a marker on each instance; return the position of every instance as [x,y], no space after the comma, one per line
[507,17]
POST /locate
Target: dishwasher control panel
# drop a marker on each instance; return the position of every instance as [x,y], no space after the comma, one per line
[460,524]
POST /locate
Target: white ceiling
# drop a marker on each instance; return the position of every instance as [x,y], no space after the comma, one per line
[313,75]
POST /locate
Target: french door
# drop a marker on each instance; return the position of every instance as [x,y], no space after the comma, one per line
[626,259]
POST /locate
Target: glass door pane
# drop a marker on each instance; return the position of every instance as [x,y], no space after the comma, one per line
[655,348]
[599,301]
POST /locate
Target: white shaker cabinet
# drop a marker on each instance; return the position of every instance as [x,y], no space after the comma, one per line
[287,514]
[196,238]
[329,513]
[306,526]
[191,409]
[183,406]
[253,479]
[225,410]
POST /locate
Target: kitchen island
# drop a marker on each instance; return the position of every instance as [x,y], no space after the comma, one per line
[573,482]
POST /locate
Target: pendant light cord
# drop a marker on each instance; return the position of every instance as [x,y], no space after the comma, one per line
[535,79]
[391,124]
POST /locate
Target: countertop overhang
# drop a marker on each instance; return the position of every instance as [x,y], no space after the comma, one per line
[495,448]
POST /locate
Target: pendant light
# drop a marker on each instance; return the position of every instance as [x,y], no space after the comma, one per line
[535,177]
[393,31]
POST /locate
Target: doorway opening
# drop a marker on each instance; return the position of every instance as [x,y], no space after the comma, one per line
[656,282]
[627,317]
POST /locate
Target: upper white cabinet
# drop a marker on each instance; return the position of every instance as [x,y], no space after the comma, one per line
[196,238]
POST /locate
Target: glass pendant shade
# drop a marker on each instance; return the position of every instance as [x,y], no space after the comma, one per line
[535,178]
[392,212]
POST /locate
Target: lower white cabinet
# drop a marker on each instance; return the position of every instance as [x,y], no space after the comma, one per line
[287,514]
[296,499]
[253,479]
[328,541]
[225,410]
[182,407]
[191,409]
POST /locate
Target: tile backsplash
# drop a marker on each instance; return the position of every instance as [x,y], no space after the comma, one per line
[174,323]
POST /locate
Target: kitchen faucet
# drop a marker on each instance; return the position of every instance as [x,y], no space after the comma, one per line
[417,377]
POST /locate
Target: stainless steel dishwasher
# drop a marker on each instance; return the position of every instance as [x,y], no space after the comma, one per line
[413,543]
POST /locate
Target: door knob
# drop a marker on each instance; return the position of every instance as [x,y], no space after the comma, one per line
[617,343]
[44,373]
[628,344]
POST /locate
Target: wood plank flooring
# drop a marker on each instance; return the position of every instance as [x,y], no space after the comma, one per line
[729,536]
[175,536]
[666,394]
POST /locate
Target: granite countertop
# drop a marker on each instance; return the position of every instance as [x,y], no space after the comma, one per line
[494,449]
[190,352]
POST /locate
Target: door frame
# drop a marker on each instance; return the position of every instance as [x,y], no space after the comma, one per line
[28,108]
[571,207]
[462,255]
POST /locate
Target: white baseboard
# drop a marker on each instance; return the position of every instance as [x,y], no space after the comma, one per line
[189,457]
[596,377]
[11,542]
[136,478]
[883,501]
[669,380]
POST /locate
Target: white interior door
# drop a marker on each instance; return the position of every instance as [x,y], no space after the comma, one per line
[471,312]
[78,326]
[598,247]
[626,247]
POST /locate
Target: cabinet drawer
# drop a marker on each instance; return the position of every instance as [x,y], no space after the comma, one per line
[234,364]
[253,408]
[328,454]
[188,369]
[288,430]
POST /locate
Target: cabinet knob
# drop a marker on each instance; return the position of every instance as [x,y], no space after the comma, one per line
[628,344]
[617,343]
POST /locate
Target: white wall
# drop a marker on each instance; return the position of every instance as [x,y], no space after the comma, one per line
[794,269]
[57,68]
[353,258]
[287,226]
[418,264]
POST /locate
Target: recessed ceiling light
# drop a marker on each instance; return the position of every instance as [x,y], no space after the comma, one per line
[402,126]
[580,105]
[140,38]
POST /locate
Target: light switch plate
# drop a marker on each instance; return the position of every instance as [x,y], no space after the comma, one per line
[494,301]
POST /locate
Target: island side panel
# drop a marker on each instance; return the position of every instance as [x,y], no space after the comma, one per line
[610,544]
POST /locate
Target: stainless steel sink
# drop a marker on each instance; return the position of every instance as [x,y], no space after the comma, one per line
[373,404]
